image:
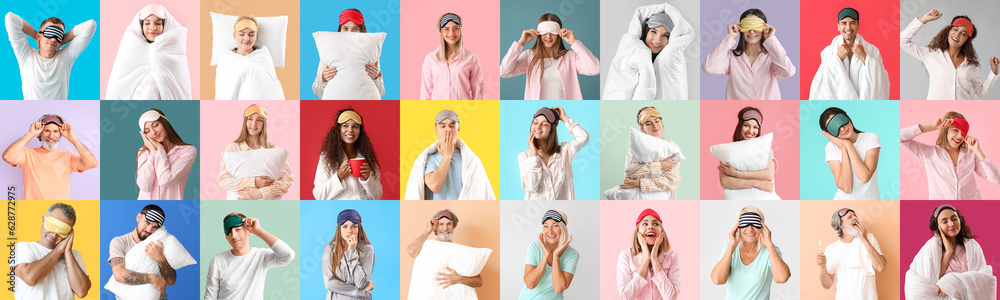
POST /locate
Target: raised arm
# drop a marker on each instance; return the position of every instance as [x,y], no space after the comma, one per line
[515,62]
[80,36]
[18,32]
[717,62]
[342,286]
[418,243]
[781,65]
[14,155]
[586,62]
[906,36]
[720,273]
[170,172]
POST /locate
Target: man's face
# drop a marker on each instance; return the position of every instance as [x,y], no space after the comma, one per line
[445,127]
[238,238]
[143,227]
[50,136]
[50,239]
[445,229]
[45,43]
[848,28]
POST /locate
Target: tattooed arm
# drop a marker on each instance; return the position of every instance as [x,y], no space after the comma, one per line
[134,278]
[168,273]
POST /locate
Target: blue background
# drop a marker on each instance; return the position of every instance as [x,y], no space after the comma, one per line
[515,121]
[880,117]
[120,136]
[380,220]
[182,221]
[380,16]
[584,19]
[85,82]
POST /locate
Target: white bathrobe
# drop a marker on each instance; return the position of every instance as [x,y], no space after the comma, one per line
[475,183]
[922,277]
[250,77]
[850,79]
[151,71]
[635,76]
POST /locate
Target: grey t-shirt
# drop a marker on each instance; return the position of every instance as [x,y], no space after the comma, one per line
[120,245]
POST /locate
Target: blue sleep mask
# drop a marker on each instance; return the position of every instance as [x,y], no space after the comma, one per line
[838,121]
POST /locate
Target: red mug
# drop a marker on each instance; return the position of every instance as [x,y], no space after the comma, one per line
[356,166]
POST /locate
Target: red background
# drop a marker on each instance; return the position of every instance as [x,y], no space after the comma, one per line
[381,124]
[879,26]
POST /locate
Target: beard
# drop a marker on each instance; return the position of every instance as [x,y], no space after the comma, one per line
[50,144]
[444,236]
[852,231]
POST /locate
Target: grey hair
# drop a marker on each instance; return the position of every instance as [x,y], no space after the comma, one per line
[836,223]
[66,209]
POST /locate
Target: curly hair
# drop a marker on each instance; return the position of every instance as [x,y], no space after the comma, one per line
[940,42]
[332,148]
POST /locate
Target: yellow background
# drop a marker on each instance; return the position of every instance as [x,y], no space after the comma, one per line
[29,214]
[479,121]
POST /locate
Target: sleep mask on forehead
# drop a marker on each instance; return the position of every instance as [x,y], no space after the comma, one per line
[839,120]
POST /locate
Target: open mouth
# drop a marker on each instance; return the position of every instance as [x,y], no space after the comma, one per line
[452,38]
[656,46]
[956,141]
[955,39]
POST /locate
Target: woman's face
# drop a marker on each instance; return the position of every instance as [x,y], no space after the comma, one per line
[348,229]
[350,26]
[152,27]
[651,228]
[451,33]
[653,127]
[551,231]
[549,40]
[750,234]
[750,129]
[949,223]
[752,36]
[955,138]
[245,39]
[957,36]
[255,124]
[350,131]
[656,39]
[846,131]
[541,127]
[154,131]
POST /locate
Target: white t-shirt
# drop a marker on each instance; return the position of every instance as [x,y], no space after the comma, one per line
[46,78]
[242,277]
[861,191]
[552,88]
[853,267]
[53,286]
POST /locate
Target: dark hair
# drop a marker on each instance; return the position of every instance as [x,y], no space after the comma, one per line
[363,27]
[553,140]
[645,31]
[153,207]
[539,45]
[737,133]
[332,148]
[742,44]
[831,112]
[963,234]
[52,20]
[940,42]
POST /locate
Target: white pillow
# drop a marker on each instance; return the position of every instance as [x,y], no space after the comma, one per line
[646,148]
[253,163]
[434,257]
[349,52]
[271,33]
[746,155]
[137,260]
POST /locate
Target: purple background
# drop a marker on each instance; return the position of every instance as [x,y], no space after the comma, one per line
[717,14]
[16,116]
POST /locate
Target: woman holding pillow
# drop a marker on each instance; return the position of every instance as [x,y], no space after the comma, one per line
[164,161]
[951,164]
[551,68]
[348,260]
[751,260]
[757,62]
[345,143]
[950,59]
[551,261]
[351,20]
[546,168]
[648,269]
[854,174]
[659,179]
[153,32]
[253,136]
[748,126]
[451,72]
[247,72]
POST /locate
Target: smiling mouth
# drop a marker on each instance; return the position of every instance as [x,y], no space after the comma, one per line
[954,39]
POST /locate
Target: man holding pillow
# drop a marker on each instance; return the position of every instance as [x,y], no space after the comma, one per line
[448,169]
[239,273]
[442,225]
[45,72]
[148,220]
[50,268]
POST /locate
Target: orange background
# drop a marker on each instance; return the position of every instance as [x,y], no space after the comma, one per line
[881,217]
[478,226]
[289,75]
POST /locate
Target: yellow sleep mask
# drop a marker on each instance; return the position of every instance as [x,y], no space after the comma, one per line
[752,23]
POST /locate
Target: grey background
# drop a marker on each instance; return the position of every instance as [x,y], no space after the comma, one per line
[913,76]
[520,224]
[615,16]
[718,218]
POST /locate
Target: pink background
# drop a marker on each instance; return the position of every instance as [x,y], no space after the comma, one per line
[220,125]
[718,119]
[982,118]
[419,36]
[116,13]
[915,217]
[618,223]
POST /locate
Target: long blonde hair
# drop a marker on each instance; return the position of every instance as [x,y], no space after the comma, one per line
[245,133]
[539,47]
[442,50]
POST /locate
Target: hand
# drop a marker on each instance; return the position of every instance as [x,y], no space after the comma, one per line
[352,242]
[262,181]
[726,168]
[949,245]
[446,279]
[370,286]
[365,171]
[567,35]
[35,128]
[843,50]
[562,113]
[373,71]
[250,194]
[764,185]
[768,31]
[252,225]
[149,143]
[660,237]
[930,16]
[668,163]
[329,73]
[734,236]
[942,123]
[68,243]
[821,260]
[527,36]
[995,64]
[630,183]
[66,131]
[973,144]
[532,149]
[859,51]
[939,292]
[158,283]
[839,142]
[862,230]
[642,244]
[733,31]
[545,250]
[154,250]
[562,248]
[446,144]
[766,237]
[431,226]
[344,170]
